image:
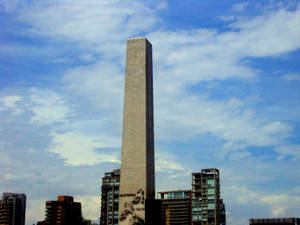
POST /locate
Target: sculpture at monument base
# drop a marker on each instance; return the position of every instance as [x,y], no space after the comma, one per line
[131,208]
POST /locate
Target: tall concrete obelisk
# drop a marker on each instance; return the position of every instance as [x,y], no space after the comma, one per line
[137,184]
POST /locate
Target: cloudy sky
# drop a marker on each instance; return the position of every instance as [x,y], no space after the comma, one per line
[226,95]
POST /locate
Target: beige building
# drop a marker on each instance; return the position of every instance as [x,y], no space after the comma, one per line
[137,182]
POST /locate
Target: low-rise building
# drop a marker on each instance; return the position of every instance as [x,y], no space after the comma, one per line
[275,221]
[177,206]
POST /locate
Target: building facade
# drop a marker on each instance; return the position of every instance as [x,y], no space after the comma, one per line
[275,221]
[207,207]
[177,207]
[12,209]
[110,198]
[64,211]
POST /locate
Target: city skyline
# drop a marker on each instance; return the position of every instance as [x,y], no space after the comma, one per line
[226,95]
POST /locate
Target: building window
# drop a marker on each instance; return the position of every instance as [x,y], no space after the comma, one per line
[210,191]
[211,205]
[211,182]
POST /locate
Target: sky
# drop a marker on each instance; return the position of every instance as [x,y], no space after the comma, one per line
[226,96]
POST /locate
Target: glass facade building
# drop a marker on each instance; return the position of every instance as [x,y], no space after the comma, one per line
[207,207]
[110,198]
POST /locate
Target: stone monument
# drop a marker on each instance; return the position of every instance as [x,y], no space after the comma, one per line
[137,184]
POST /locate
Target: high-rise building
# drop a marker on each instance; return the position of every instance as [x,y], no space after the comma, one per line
[110,198]
[64,211]
[137,184]
[12,209]
[222,212]
[275,221]
[207,207]
[177,207]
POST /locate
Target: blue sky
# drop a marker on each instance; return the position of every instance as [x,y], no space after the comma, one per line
[226,95]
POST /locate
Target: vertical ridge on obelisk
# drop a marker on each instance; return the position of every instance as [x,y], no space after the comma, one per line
[137,183]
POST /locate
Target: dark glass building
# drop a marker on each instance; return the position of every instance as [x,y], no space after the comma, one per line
[207,207]
[64,211]
[12,209]
[110,198]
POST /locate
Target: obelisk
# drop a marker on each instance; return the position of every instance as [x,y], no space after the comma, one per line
[137,184]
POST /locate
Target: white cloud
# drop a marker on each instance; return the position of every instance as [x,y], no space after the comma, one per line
[293,150]
[48,106]
[190,57]
[292,77]
[78,149]
[4,158]
[260,203]
[230,121]
[281,204]
[100,84]
[88,58]
[165,163]
[239,7]
[162,5]
[270,34]
[10,5]
[90,205]
[11,102]
[187,58]
[35,210]
[227,18]
[183,58]
[100,25]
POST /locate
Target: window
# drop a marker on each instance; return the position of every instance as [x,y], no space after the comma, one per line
[195,209]
[211,205]
[197,217]
[210,191]
[173,195]
[211,182]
